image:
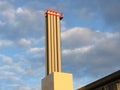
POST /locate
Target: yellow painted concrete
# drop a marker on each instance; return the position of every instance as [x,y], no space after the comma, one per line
[59,45]
[58,81]
[48,46]
[53,42]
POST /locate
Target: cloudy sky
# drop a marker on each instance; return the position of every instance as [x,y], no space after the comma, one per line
[90,33]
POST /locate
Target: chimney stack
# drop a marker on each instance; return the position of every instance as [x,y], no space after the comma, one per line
[53,42]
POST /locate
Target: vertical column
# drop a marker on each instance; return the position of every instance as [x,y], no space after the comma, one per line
[55,41]
[52,40]
[48,45]
[58,43]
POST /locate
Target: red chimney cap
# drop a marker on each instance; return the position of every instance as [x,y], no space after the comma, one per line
[54,13]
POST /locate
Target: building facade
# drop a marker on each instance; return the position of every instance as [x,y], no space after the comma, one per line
[110,82]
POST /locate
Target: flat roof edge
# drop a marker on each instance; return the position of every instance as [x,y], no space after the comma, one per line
[107,79]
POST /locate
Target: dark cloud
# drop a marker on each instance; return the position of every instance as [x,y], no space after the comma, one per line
[110,11]
[107,10]
[89,60]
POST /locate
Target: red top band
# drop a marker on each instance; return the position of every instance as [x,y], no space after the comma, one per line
[51,12]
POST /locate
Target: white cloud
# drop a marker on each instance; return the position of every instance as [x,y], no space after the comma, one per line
[8,63]
[20,22]
[25,42]
[19,10]
[7,73]
[36,50]
[77,37]
[6,59]
[10,78]
[76,50]
[18,69]
[6,43]
[4,67]
[7,11]
[18,87]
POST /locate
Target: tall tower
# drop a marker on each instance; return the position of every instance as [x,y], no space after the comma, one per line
[53,41]
[55,79]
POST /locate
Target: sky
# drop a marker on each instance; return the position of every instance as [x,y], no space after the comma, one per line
[90,37]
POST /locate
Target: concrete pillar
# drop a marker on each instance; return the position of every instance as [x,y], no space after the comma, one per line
[58,44]
[48,45]
[55,79]
[53,41]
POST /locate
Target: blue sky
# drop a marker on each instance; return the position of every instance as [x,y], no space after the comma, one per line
[90,33]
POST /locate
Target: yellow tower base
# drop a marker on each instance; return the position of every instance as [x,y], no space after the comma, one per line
[58,81]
